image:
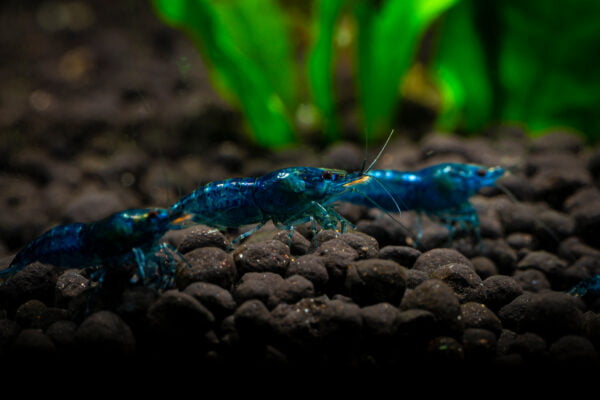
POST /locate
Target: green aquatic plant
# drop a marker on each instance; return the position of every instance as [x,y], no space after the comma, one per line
[532,62]
[388,34]
[249,46]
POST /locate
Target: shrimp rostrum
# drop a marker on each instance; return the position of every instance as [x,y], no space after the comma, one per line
[287,197]
[440,191]
[130,236]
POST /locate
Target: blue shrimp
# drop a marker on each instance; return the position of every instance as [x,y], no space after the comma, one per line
[288,197]
[589,286]
[126,236]
[440,191]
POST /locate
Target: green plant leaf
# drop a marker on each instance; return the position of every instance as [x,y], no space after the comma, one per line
[461,72]
[530,62]
[388,34]
[321,62]
[548,64]
[247,45]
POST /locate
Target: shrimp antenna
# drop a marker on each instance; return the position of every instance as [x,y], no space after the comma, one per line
[362,167]
[380,153]
[383,209]
[507,192]
[387,190]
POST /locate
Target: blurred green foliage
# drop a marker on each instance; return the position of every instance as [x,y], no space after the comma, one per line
[529,62]
[532,62]
[251,58]
[249,46]
[388,34]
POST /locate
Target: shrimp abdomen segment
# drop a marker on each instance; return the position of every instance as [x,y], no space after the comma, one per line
[223,204]
[61,245]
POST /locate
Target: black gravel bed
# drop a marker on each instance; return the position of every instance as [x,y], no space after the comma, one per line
[119,113]
[361,299]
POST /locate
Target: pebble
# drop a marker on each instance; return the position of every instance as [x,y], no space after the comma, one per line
[377,230]
[431,260]
[551,226]
[403,255]
[484,267]
[33,346]
[551,314]
[135,303]
[62,334]
[105,335]
[594,164]
[20,199]
[416,323]
[591,323]
[500,290]
[272,289]
[325,235]
[93,205]
[414,278]
[502,255]
[175,314]
[312,267]
[206,264]
[532,280]
[465,282]
[437,297]
[291,290]
[9,330]
[520,240]
[298,245]
[195,237]
[590,263]
[339,323]
[479,344]
[268,256]
[219,301]
[257,285]
[519,186]
[253,321]
[36,281]
[445,350]
[574,351]
[365,245]
[334,324]
[295,324]
[587,223]
[554,185]
[582,198]
[573,248]
[337,255]
[380,321]
[517,217]
[558,141]
[552,267]
[537,163]
[374,280]
[531,347]
[478,316]
[29,314]
[69,285]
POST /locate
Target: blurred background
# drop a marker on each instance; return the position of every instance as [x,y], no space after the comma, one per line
[112,104]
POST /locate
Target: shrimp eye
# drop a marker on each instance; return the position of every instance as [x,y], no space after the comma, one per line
[327,175]
[481,172]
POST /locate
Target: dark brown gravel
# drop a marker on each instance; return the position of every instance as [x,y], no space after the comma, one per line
[362,299]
